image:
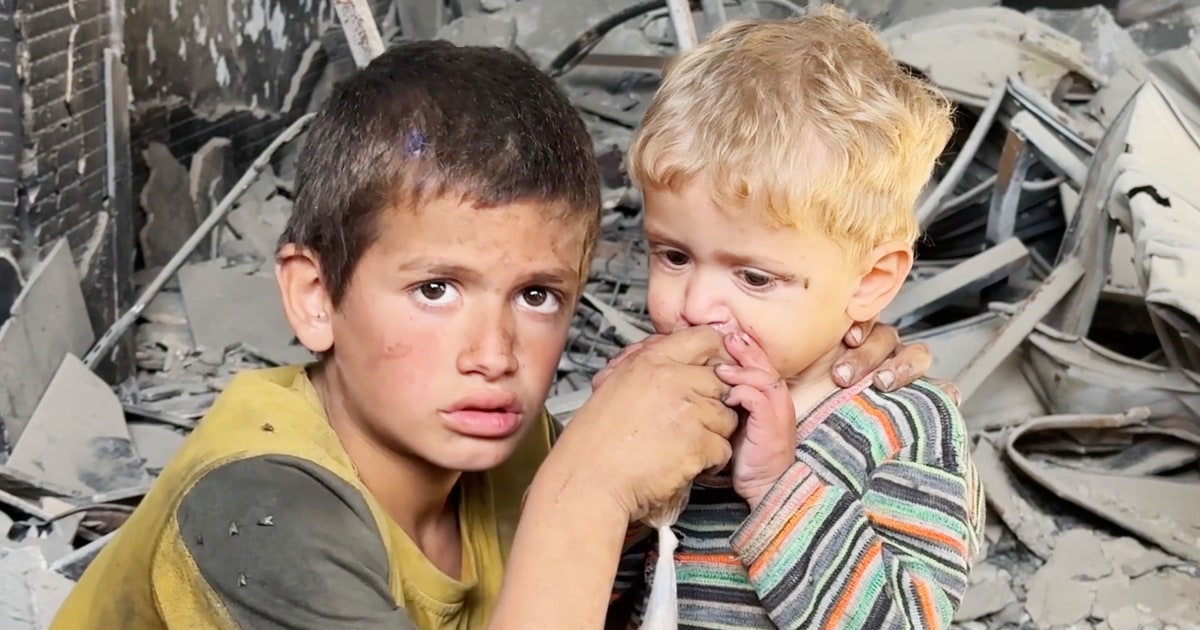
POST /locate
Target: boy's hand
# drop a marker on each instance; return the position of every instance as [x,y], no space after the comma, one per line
[634,348]
[656,422]
[875,350]
[764,447]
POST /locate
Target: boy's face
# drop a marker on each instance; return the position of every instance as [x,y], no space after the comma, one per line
[452,326]
[791,291]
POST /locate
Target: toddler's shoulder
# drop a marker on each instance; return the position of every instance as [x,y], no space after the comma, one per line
[926,420]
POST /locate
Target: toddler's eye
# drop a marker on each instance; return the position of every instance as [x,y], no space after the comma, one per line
[436,293]
[756,279]
[674,257]
[540,300]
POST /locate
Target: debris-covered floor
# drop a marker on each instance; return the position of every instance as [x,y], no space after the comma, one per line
[1058,285]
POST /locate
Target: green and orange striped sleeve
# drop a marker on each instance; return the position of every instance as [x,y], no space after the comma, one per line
[877,522]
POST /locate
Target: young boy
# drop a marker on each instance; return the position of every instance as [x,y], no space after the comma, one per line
[780,163]
[446,206]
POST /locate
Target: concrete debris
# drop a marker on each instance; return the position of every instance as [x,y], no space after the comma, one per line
[77,436]
[1055,284]
[48,320]
[166,199]
[30,592]
[229,306]
[968,52]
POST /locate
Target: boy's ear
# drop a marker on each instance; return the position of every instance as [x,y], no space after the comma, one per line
[887,267]
[306,303]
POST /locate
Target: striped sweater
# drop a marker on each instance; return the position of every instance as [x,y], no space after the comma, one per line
[874,526]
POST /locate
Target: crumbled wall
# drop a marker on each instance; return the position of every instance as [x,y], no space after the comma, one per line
[54,158]
[240,69]
[10,145]
[237,69]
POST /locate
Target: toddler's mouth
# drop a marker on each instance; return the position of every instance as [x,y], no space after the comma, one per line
[727,327]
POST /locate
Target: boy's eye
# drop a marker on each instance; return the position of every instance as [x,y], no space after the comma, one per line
[540,300]
[436,293]
[755,279]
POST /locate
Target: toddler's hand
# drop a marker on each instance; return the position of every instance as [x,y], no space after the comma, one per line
[764,447]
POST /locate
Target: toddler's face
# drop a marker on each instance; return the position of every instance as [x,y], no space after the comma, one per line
[786,288]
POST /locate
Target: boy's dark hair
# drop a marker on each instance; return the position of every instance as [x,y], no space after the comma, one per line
[427,119]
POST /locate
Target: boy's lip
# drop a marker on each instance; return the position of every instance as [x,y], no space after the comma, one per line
[487,414]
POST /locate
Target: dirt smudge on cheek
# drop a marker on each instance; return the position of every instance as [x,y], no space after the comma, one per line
[395,350]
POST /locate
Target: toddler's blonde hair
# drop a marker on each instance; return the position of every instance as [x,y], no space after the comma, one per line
[809,119]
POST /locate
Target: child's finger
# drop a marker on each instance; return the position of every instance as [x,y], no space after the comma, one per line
[746,352]
[735,375]
[749,398]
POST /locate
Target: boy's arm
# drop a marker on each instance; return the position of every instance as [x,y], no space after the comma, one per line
[632,566]
[825,548]
[277,542]
[630,580]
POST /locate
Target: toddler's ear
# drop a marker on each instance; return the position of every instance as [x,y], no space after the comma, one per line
[305,301]
[887,267]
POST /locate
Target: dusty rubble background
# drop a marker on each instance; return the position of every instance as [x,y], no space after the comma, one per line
[1057,284]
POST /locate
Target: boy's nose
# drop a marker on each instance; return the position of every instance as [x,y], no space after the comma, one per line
[489,351]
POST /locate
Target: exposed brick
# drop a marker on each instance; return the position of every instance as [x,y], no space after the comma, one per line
[88,29]
[54,64]
[48,20]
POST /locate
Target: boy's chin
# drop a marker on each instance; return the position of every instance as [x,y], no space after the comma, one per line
[465,454]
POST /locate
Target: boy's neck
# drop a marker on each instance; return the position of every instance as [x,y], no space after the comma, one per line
[416,494]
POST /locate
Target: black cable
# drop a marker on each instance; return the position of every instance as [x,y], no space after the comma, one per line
[582,45]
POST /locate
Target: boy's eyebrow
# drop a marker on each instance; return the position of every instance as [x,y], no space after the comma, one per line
[561,277]
[557,277]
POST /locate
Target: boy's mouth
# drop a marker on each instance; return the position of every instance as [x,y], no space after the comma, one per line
[491,414]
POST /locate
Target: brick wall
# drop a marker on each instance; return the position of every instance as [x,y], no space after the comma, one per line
[54,164]
[10,135]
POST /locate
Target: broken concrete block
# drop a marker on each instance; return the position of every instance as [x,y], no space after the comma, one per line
[889,12]
[16,605]
[47,592]
[967,52]
[211,176]
[156,442]
[166,199]
[260,215]
[990,591]
[480,29]
[226,307]
[49,319]
[421,19]
[77,437]
[30,593]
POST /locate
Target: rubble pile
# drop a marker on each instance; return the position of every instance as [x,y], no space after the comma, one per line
[1057,284]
